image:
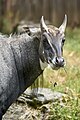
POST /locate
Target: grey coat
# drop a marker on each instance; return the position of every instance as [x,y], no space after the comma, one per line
[19,67]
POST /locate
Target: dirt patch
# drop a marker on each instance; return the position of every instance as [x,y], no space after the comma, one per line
[18,111]
[38,107]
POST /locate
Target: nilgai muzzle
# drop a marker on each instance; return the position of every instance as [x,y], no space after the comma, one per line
[23,58]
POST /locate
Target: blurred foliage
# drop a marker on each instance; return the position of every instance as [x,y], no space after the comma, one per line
[13,11]
[67,79]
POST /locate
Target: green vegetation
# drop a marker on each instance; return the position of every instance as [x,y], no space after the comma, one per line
[67,79]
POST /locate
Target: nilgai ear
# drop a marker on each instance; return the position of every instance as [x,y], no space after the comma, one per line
[63,26]
[43,25]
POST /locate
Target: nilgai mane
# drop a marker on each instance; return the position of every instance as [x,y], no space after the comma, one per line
[23,58]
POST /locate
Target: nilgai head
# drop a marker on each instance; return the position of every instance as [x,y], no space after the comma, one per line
[51,44]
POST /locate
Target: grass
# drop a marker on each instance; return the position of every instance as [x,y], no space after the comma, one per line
[70,75]
[67,81]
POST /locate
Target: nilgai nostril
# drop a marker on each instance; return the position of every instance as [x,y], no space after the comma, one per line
[60,60]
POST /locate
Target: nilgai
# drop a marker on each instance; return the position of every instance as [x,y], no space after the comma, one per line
[23,58]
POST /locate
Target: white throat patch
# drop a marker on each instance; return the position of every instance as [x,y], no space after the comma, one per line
[43,65]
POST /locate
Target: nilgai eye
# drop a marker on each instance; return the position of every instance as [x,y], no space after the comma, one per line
[46,44]
[44,40]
